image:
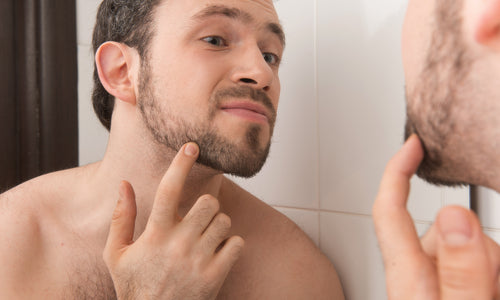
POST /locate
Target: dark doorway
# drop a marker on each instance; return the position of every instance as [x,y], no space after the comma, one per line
[38,88]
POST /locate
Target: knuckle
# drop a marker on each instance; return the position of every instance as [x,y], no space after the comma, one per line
[178,248]
[455,276]
[118,212]
[222,221]
[238,245]
[209,202]
[213,276]
[122,211]
[235,246]
[205,208]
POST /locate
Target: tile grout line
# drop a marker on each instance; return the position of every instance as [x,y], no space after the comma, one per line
[416,221]
[490,229]
[316,96]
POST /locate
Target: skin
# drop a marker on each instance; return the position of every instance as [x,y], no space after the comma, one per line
[454,260]
[147,221]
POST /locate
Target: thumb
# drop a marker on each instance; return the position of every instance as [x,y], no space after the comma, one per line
[121,232]
[462,257]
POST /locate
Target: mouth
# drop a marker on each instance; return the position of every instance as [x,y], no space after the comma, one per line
[250,111]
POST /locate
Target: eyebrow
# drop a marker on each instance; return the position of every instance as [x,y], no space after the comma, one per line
[237,14]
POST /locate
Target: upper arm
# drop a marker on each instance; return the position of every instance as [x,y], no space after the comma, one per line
[305,272]
[19,247]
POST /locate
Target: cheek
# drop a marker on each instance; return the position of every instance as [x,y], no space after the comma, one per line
[415,39]
[275,96]
[409,42]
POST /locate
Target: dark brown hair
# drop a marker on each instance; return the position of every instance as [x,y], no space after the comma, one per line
[123,21]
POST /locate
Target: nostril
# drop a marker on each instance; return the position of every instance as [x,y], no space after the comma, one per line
[248,80]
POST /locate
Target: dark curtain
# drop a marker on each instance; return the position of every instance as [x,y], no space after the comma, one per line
[38,88]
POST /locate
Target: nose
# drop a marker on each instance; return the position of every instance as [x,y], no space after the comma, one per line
[251,69]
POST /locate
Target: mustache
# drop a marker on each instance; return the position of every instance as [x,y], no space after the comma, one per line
[246,92]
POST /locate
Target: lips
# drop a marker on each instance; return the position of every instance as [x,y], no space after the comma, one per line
[248,110]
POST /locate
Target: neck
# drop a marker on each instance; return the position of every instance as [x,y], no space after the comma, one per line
[135,156]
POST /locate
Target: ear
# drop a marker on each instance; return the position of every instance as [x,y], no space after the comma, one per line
[487,29]
[115,65]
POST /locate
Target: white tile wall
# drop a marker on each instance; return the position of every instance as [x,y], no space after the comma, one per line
[86,11]
[308,220]
[488,208]
[92,136]
[290,176]
[340,119]
[350,242]
[494,234]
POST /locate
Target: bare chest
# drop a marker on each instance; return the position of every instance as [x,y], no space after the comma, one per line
[86,277]
[83,275]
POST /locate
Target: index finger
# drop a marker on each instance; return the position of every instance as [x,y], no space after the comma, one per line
[169,191]
[393,224]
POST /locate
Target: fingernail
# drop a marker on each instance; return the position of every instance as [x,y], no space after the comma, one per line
[191,150]
[455,227]
[411,139]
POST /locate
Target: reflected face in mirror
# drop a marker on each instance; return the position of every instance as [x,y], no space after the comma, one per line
[437,66]
[211,77]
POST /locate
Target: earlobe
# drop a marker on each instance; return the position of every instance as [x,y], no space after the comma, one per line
[487,29]
[114,64]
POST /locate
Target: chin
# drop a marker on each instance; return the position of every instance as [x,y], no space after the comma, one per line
[231,159]
[436,177]
[436,167]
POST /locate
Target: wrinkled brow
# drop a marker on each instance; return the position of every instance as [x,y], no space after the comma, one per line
[277,30]
[235,13]
[226,11]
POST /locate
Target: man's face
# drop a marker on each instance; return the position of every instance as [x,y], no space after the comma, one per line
[211,77]
[437,65]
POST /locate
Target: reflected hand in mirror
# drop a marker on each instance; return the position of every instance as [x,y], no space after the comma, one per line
[454,260]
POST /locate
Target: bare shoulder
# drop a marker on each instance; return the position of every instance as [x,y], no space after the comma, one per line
[20,240]
[26,220]
[23,207]
[18,211]
[281,258]
[31,197]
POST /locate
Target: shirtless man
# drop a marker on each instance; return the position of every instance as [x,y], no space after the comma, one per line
[451,57]
[189,91]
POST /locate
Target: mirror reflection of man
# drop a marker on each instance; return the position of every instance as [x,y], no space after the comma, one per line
[451,56]
[189,91]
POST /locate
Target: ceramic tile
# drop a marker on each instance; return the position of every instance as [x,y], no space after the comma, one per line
[361,113]
[307,220]
[362,109]
[85,17]
[488,207]
[425,200]
[350,243]
[92,135]
[290,176]
[456,196]
[493,234]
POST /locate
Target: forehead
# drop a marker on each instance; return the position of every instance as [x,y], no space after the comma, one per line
[183,11]
[190,5]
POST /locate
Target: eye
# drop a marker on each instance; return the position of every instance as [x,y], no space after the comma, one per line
[216,41]
[271,58]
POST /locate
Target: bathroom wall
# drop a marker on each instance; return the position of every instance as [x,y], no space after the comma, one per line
[488,209]
[341,118]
